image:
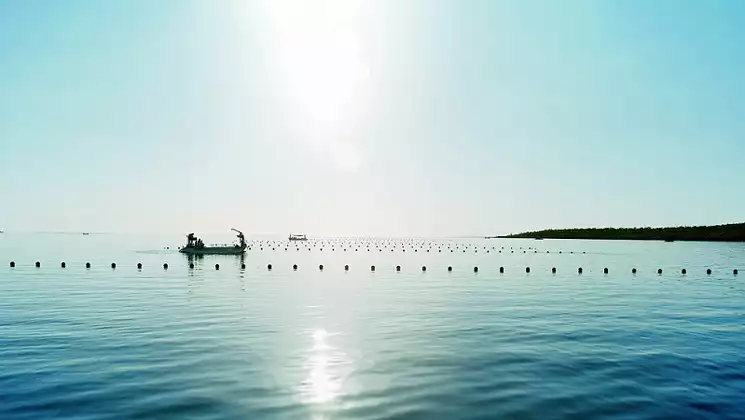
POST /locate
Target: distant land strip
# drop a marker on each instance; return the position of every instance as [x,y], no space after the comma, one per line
[734,232]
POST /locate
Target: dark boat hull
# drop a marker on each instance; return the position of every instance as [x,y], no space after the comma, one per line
[213,250]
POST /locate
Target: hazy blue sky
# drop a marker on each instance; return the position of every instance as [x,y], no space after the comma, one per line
[370,118]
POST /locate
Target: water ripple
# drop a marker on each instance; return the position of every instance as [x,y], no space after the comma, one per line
[336,344]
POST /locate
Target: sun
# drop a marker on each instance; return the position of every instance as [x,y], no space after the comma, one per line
[323,71]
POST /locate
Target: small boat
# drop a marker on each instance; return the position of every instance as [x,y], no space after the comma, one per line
[86,233]
[296,237]
[196,246]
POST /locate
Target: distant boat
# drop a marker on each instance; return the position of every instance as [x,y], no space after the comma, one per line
[195,246]
[86,233]
[297,237]
[538,239]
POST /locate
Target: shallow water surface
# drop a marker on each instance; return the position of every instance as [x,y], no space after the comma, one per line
[232,343]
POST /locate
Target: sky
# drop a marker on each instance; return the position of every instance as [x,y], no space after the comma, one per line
[370,118]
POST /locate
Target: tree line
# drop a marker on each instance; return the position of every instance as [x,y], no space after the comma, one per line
[725,233]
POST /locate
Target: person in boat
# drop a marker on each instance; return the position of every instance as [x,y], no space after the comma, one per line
[241,240]
[192,241]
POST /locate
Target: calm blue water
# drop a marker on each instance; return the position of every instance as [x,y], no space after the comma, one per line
[252,343]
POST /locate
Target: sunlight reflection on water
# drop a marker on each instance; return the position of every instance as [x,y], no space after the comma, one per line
[324,382]
[348,342]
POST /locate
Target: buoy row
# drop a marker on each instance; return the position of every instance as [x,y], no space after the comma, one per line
[580,270]
[366,243]
[88,265]
[295,267]
[488,251]
[360,245]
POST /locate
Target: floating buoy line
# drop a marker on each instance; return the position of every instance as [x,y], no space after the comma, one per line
[346,267]
[397,245]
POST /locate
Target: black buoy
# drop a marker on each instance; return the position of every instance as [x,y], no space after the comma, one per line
[346,268]
[294,266]
[12,264]
[139,266]
[63,265]
[268,266]
[113,265]
[450,268]
[579,270]
[372,268]
[217,266]
[87,265]
[398,268]
[38,264]
[501,269]
[191,265]
[659,271]
[243,266]
[165,266]
[735,271]
[708,271]
[320,267]
[683,271]
[475,269]
[605,270]
[424,268]
[527,269]
[633,271]
[553,270]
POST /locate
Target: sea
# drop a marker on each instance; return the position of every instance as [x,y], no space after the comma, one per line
[388,328]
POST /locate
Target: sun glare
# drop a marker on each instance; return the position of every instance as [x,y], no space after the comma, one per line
[323,70]
[324,381]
